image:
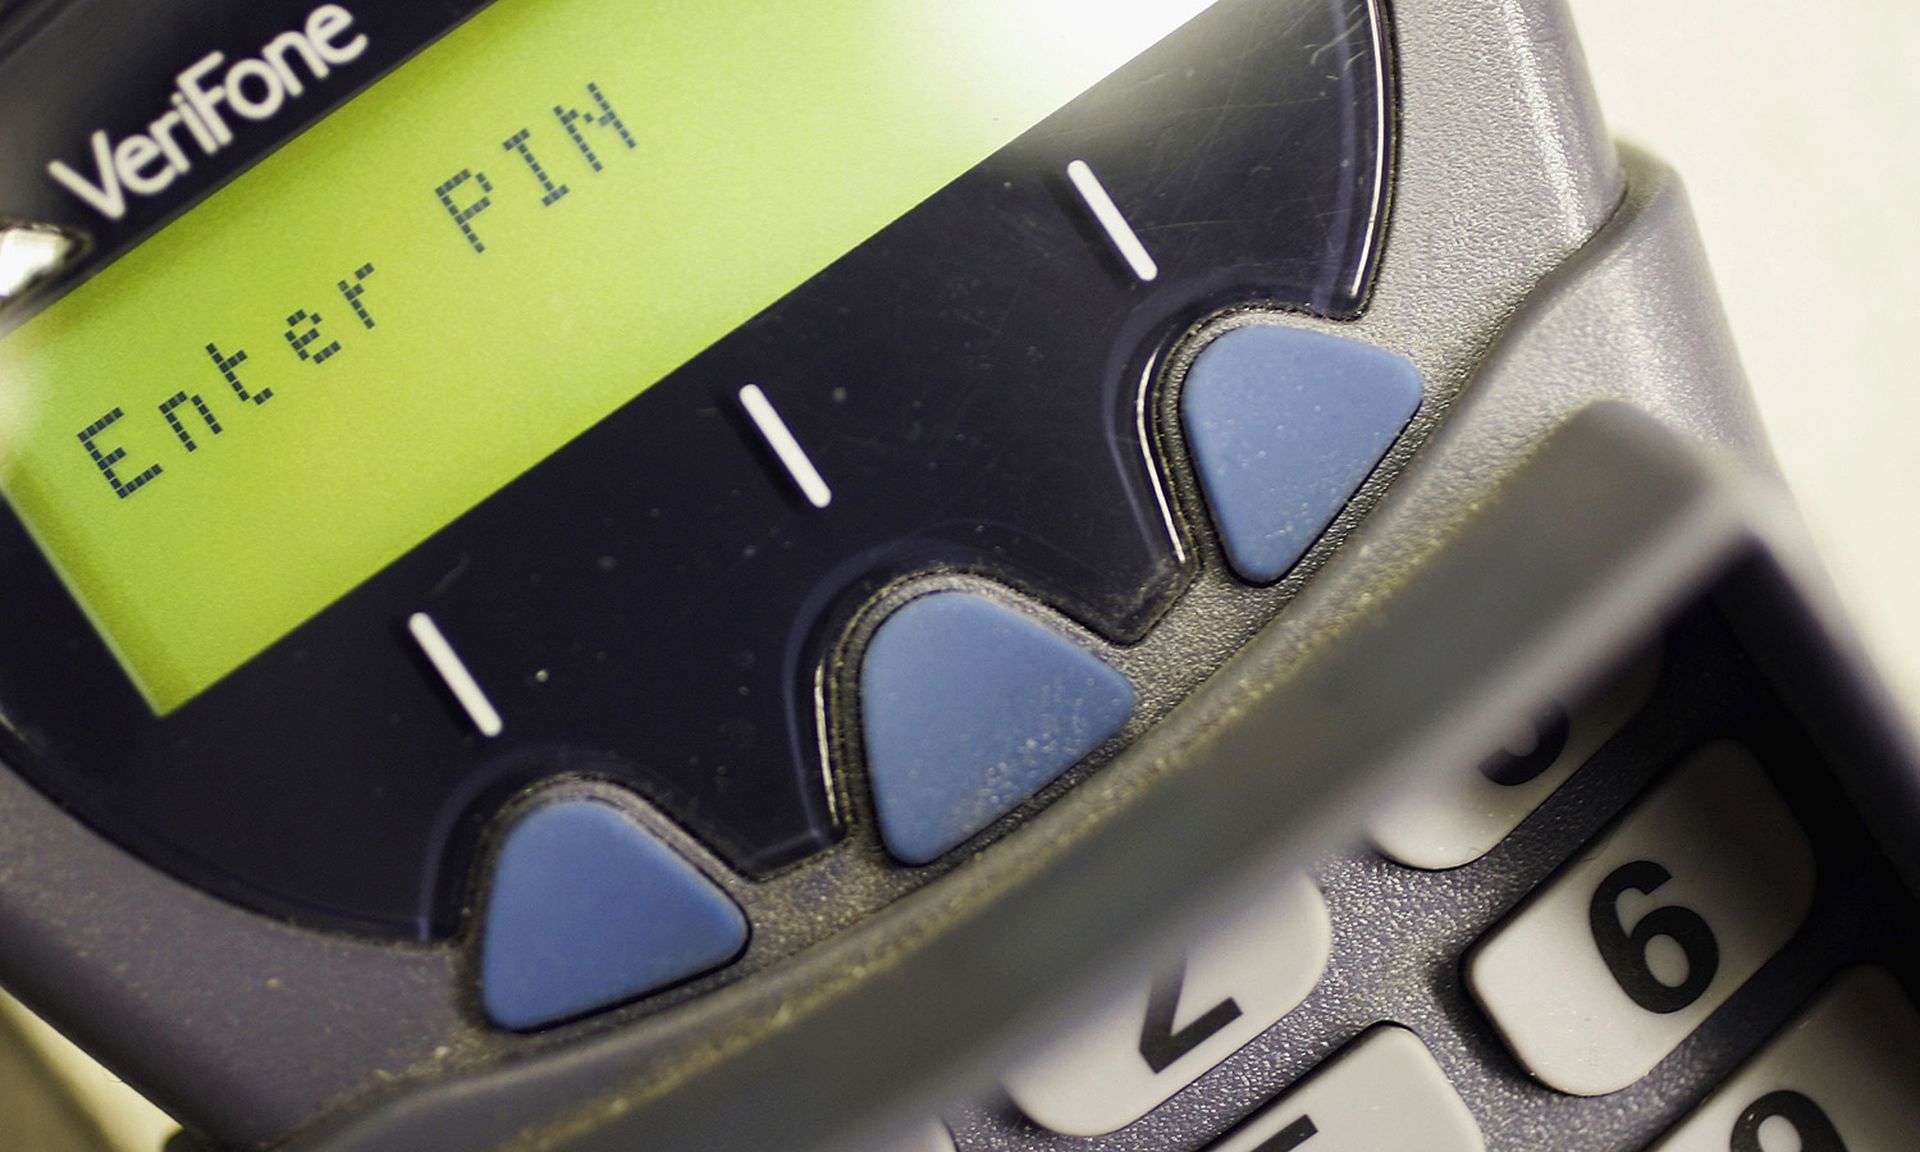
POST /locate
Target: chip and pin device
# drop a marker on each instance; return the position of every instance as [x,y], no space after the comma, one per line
[875,576]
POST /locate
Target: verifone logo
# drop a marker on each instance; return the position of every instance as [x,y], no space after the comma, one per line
[254,88]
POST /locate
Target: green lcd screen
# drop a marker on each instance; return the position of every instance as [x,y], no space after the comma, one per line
[470,264]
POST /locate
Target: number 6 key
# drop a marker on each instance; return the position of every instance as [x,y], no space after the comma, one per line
[1616,960]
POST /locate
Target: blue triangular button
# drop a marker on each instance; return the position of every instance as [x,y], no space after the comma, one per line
[588,909]
[1284,425]
[969,708]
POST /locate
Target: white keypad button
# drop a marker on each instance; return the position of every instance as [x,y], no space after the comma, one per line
[1617,959]
[1845,1077]
[928,1136]
[1126,1058]
[1459,812]
[1385,1094]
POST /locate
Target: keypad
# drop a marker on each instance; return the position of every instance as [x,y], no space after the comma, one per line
[1617,959]
[1170,1026]
[1620,961]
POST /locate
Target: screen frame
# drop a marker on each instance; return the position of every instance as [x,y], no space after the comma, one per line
[345,708]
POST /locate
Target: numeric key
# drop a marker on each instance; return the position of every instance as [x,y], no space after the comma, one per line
[1458,812]
[1385,1092]
[1616,960]
[1845,1077]
[1166,1028]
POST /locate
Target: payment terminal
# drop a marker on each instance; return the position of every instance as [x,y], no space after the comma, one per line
[988,577]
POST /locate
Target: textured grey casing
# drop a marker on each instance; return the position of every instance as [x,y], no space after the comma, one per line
[1618,529]
[1522,257]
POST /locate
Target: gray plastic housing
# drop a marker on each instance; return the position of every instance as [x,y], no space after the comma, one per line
[1530,272]
[1617,529]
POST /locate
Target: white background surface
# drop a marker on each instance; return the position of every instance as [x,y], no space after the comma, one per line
[1793,125]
